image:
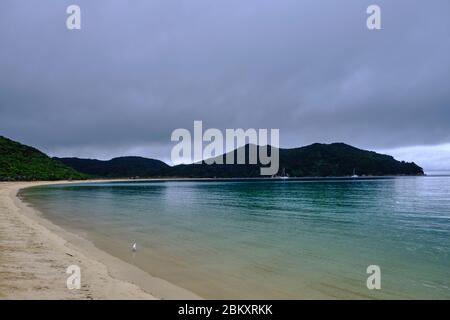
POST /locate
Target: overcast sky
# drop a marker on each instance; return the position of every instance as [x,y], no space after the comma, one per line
[139,69]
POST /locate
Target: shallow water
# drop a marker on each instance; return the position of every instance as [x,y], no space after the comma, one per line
[272,238]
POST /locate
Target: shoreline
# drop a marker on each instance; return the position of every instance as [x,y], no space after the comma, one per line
[35,253]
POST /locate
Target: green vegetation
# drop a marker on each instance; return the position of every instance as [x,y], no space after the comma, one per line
[316,160]
[340,159]
[123,167]
[20,162]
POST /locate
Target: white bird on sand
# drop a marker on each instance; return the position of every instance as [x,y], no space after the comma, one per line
[134,247]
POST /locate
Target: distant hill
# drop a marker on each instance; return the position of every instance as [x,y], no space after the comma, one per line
[340,159]
[316,160]
[21,162]
[123,167]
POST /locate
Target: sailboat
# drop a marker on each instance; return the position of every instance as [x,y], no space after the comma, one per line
[354,175]
[284,175]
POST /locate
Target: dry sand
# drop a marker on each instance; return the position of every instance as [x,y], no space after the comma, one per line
[34,256]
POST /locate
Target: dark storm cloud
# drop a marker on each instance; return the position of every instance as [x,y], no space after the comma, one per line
[138,70]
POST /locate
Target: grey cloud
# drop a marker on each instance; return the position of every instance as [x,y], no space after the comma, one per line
[138,70]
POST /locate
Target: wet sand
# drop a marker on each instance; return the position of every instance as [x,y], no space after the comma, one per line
[35,254]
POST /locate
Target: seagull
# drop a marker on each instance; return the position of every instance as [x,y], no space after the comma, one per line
[134,247]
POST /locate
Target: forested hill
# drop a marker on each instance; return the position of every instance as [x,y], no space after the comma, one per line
[316,160]
[122,167]
[340,159]
[20,162]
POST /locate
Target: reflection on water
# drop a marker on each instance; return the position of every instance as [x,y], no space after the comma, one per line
[270,239]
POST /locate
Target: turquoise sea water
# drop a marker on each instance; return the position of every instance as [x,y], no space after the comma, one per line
[270,239]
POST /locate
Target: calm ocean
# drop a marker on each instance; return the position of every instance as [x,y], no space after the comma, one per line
[269,239]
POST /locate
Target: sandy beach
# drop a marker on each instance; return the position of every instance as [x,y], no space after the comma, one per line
[35,253]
